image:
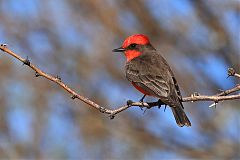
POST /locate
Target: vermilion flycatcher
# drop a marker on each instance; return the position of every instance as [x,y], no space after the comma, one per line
[150,74]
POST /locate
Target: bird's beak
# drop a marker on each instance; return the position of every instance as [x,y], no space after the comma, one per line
[120,49]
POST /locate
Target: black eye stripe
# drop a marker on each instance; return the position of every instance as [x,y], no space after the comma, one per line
[132,46]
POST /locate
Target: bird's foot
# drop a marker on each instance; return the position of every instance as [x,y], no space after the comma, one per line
[141,100]
[165,106]
[145,110]
[160,103]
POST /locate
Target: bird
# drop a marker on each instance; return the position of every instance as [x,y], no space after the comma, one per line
[150,74]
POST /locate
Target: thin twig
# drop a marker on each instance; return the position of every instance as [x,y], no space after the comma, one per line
[56,79]
[224,95]
[232,72]
[211,98]
[229,91]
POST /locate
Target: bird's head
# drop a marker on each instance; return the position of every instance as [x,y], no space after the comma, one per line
[133,45]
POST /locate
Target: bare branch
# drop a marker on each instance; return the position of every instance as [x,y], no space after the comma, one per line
[56,79]
[231,72]
[210,98]
[224,95]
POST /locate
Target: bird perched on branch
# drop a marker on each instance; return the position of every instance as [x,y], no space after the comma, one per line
[150,74]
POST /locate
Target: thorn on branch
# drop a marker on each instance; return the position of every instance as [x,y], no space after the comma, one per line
[58,78]
[37,74]
[213,105]
[221,90]
[224,93]
[112,116]
[74,96]
[231,72]
[4,46]
[196,94]
[102,109]
[26,62]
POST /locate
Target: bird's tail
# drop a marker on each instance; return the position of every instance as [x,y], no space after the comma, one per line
[180,116]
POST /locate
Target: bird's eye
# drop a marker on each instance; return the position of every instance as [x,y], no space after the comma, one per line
[132,46]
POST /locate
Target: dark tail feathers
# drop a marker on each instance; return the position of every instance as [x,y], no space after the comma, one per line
[180,116]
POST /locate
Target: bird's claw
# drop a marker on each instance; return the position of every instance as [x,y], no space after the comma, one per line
[74,96]
[160,103]
[26,62]
[142,106]
[165,106]
[141,100]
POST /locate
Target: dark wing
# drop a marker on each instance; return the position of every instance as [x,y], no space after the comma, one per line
[154,85]
[151,73]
